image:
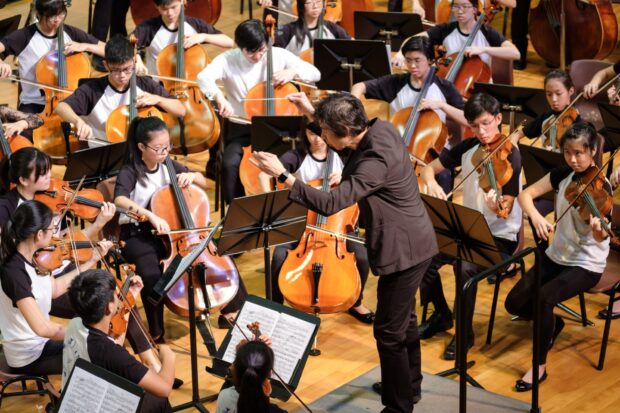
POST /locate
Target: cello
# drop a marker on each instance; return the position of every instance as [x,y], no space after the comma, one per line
[320,275]
[57,69]
[188,208]
[264,99]
[200,128]
[12,143]
[349,7]
[117,125]
[595,39]
[207,10]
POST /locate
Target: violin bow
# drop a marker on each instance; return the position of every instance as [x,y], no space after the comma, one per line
[71,200]
[486,158]
[282,382]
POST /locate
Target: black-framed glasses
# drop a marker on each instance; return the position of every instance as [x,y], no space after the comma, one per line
[160,151]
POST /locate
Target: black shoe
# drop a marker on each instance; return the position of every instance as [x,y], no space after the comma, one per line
[367,318]
[160,340]
[559,325]
[603,314]
[438,321]
[377,387]
[450,351]
[97,63]
[224,323]
[522,386]
[520,64]
[177,383]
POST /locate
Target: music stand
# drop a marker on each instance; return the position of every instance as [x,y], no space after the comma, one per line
[537,162]
[611,119]
[276,134]
[9,25]
[518,103]
[462,233]
[262,221]
[97,163]
[389,27]
[345,62]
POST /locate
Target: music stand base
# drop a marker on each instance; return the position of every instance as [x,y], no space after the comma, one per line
[456,371]
[197,404]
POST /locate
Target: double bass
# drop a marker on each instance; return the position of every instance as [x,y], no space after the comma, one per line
[207,10]
[264,99]
[200,127]
[62,71]
[320,275]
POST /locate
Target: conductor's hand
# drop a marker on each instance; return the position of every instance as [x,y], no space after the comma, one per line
[300,99]
[434,189]
[268,163]
[542,227]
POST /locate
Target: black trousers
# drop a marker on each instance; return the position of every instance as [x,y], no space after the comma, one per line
[279,255]
[49,362]
[519,26]
[109,15]
[558,283]
[395,5]
[398,341]
[431,289]
[237,138]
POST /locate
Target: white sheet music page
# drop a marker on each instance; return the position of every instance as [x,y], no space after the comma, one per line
[290,339]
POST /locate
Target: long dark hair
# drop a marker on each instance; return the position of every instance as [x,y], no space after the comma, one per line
[29,218]
[252,366]
[140,131]
[21,164]
[301,27]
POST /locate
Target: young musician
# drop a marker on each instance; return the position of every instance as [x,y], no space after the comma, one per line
[378,176]
[15,122]
[600,78]
[31,43]
[308,163]
[484,116]
[32,343]
[89,107]
[160,31]
[298,35]
[577,255]
[142,175]
[240,69]
[285,5]
[251,371]
[95,301]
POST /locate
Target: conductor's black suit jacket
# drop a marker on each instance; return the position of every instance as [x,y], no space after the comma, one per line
[378,176]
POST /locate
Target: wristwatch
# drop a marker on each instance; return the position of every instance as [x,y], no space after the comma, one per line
[283,176]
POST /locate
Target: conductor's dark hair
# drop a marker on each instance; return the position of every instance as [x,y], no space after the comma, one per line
[343,114]
[480,103]
[252,366]
[251,35]
[418,44]
[118,50]
[89,294]
[50,8]
[29,218]
[561,76]
[21,164]
[581,130]
[140,131]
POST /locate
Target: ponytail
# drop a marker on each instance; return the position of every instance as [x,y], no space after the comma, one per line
[252,367]
[140,131]
[29,218]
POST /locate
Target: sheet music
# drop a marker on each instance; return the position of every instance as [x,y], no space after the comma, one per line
[89,393]
[290,339]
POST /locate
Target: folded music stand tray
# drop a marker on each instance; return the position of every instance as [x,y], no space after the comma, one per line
[611,119]
[96,164]
[345,62]
[537,162]
[517,103]
[389,27]
[9,25]
[276,134]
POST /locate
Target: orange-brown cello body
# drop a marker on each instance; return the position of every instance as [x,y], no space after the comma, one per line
[207,10]
[430,134]
[117,125]
[222,278]
[339,282]
[16,143]
[472,70]
[591,30]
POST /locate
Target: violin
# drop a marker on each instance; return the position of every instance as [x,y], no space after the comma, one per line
[320,275]
[494,169]
[12,143]
[188,208]
[86,203]
[117,125]
[57,69]
[200,127]
[264,99]
[207,10]
[587,193]
[463,71]
[556,127]
[423,132]
[120,319]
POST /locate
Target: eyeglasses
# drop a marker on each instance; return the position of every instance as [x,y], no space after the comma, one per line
[119,71]
[52,228]
[462,7]
[411,62]
[160,151]
[315,3]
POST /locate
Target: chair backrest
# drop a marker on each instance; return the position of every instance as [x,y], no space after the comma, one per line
[581,72]
[501,70]
[111,229]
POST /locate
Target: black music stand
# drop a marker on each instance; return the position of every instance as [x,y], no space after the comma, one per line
[96,164]
[345,62]
[276,134]
[389,27]
[611,119]
[537,162]
[518,103]
[262,221]
[9,25]
[464,234]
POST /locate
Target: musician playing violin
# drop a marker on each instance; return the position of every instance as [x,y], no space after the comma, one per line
[32,343]
[31,43]
[577,255]
[484,116]
[93,296]
[160,31]
[308,163]
[599,79]
[15,122]
[89,107]
[240,69]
